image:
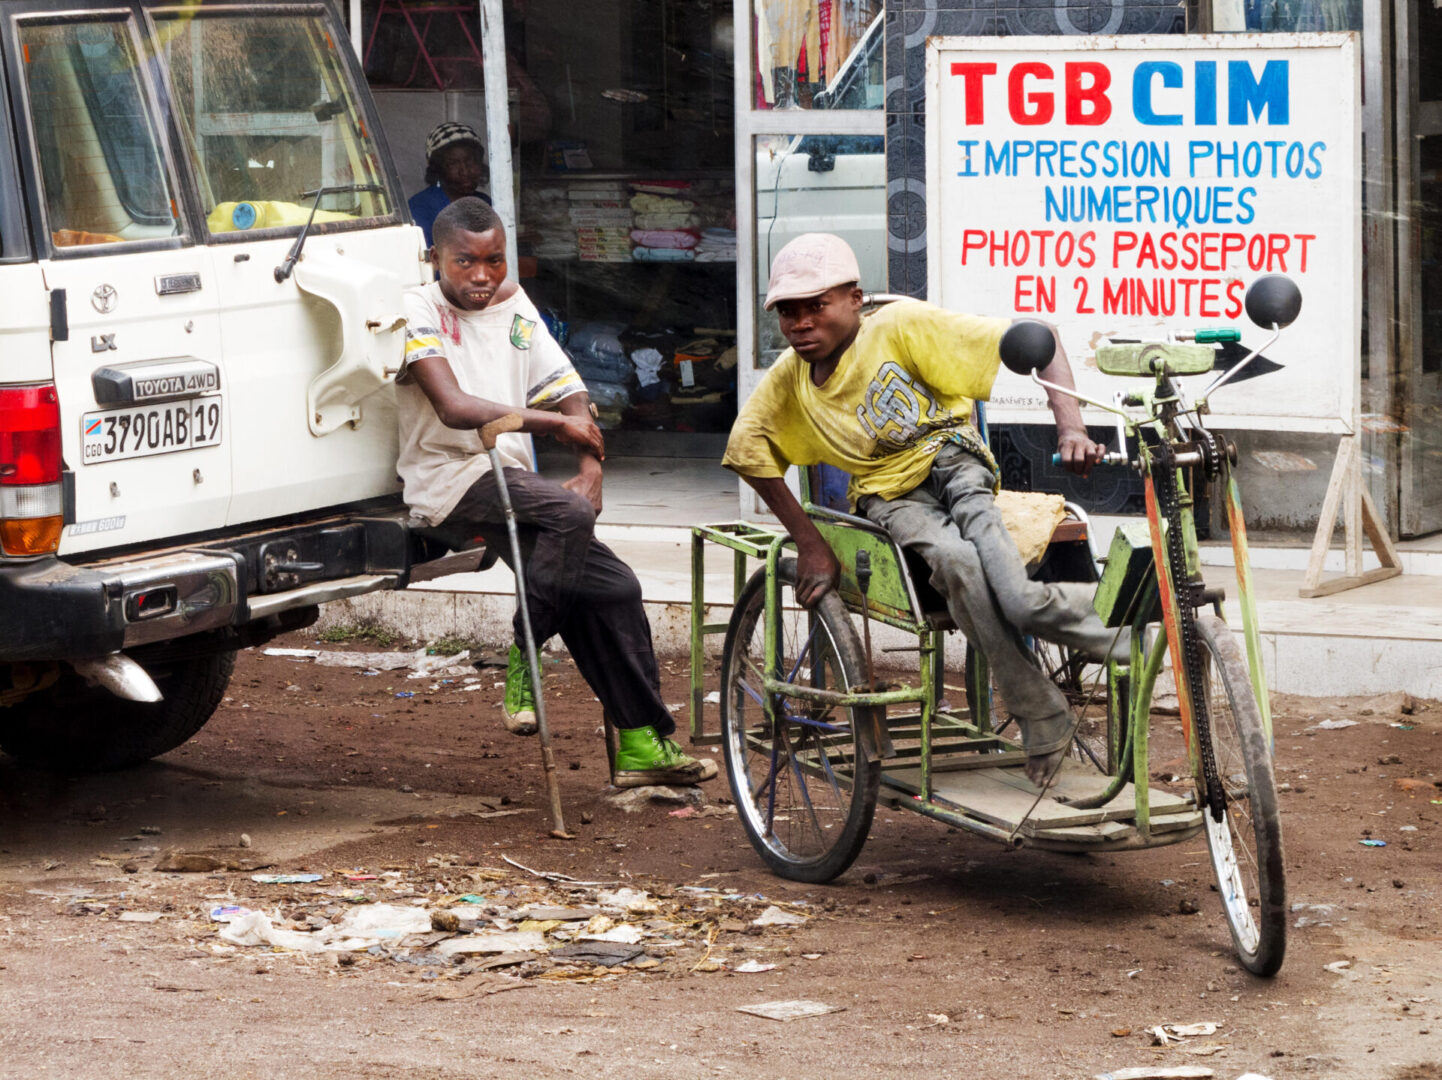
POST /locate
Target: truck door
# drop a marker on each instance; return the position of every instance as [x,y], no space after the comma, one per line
[276,124]
[136,336]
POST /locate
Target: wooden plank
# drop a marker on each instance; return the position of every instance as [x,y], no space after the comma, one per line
[978,761]
[1336,486]
[1103,832]
[981,793]
[1341,584]
[1173,822]
[1376,530]
[1002,797]
[1075,781]
[1361,517]
[1352,518]
[1069,531]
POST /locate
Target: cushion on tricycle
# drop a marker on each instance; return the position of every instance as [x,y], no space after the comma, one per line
[1031,517]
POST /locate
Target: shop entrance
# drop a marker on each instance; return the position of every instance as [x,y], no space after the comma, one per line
[1419,263]
[621,129]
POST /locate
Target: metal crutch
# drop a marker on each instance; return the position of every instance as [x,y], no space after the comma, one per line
[489,433]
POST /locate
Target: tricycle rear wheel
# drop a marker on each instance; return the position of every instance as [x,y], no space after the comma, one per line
[804,787]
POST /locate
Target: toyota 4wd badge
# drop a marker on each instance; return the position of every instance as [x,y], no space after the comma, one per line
[104,299]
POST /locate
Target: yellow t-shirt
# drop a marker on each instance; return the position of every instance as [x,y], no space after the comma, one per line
[902,391]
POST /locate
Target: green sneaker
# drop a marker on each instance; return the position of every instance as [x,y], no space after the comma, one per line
[643,757]
[520,704]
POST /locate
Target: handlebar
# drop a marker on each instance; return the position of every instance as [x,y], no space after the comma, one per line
[1184,459]
[1112,457]
[1217,336]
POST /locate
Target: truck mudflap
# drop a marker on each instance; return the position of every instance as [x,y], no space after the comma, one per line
[55,610]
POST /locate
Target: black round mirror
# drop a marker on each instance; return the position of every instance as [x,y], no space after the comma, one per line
[1274,300]
[1027,346]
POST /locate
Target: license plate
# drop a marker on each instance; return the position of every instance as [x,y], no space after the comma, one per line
[117,434]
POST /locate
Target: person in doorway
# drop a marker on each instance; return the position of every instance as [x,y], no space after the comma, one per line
[888,397]
[455,166]
[477,350]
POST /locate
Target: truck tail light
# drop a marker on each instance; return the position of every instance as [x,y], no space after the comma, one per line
[30,467]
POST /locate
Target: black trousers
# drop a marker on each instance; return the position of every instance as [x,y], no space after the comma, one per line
[575,587]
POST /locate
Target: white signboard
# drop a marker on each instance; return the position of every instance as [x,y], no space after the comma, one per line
[1127,185]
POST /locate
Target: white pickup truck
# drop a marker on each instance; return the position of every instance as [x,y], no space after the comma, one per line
[202,255]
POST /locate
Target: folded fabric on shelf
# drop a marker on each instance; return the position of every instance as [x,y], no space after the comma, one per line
[646,254]
[662,187]
[666,221]
[664,238]
[660,204]
[583,192]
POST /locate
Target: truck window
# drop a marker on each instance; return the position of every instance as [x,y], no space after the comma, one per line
[269,117]
[93,121]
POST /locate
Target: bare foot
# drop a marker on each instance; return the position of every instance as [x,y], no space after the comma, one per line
[1039,767]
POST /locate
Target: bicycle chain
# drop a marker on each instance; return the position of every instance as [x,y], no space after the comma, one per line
[1188,597]
[1211,451]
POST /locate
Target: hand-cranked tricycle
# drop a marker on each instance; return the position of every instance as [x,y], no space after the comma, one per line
[810,736]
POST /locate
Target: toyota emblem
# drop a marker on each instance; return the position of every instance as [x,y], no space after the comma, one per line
[104,299]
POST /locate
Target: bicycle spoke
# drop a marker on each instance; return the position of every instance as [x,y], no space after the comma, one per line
[752,694]
[771,780]
[801,783]
[826,767]
[801,657]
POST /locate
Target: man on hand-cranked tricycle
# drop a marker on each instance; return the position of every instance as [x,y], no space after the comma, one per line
[888,397]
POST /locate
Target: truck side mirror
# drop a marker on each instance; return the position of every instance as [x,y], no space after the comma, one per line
[1274,300]
[820,158]
[1027,346]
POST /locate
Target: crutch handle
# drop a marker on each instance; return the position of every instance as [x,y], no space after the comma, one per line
[490,432]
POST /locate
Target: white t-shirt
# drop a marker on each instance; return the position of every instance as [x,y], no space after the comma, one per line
[502,353]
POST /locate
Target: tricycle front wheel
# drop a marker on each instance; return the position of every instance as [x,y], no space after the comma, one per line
[1246,845]
[804,787]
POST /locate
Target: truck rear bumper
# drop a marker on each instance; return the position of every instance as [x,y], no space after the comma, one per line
[55,610]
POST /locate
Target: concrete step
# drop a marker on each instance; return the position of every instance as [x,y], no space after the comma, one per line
[1381,637]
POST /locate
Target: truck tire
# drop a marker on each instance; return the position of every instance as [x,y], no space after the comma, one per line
[72,727]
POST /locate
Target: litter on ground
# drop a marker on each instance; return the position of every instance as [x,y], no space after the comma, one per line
[791,1010]
[1169,1033]
[774,916]
[456,921]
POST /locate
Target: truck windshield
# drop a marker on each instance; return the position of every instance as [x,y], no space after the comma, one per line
[104,175]
[268,115]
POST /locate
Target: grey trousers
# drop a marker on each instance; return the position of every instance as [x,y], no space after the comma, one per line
[951,521]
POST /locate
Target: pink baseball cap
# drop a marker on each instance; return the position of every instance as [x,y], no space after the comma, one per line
[808,266]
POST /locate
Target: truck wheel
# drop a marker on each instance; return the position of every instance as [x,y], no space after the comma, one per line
[72,727]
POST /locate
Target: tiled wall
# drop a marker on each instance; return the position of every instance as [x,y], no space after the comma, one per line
[908,24]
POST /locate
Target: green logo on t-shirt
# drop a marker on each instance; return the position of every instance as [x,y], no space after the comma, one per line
[521,331]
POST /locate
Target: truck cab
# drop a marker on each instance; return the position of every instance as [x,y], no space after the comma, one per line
[203,249]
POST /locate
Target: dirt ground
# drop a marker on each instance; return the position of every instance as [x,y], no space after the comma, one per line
[948,955]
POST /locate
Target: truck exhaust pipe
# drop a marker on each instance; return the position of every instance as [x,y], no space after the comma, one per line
[119,674]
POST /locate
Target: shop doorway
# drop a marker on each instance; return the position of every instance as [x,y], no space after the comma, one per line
[620,116]
[1419,264]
